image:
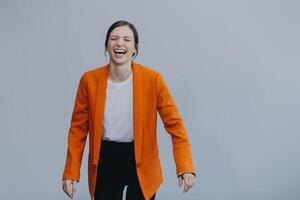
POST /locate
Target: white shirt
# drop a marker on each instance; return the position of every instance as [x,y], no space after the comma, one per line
[118,111]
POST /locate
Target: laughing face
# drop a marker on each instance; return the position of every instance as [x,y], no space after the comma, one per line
[120,45]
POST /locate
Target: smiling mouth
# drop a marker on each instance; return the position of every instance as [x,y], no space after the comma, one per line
[119,51]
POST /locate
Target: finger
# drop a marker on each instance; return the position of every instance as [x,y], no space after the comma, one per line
[193,179]
[69,189]
[64,186]
[74,187]
[65,183]
[189,183]
[180,181]
[185,184]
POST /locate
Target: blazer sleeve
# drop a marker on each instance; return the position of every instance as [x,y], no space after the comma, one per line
[174,125]
[77,132]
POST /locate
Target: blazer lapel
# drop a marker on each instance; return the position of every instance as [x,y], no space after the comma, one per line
[99,112]
[137,112]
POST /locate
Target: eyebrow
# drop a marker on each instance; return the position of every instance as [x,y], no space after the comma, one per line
[118,36]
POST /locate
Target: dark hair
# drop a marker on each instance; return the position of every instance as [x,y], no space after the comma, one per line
[132,28]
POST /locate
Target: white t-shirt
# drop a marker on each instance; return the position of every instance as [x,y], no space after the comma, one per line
[118,112]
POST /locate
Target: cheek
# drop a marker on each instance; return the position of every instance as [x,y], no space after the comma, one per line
[132,48]
[110,45]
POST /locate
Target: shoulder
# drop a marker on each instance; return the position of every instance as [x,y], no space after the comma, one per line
[151,77]
[148,72]
[94,73]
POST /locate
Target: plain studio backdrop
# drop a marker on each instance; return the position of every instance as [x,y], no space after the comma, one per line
[231,66]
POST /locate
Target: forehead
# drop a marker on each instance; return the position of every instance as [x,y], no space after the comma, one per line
[122,31]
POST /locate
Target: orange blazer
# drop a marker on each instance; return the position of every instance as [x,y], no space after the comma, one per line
[150,94]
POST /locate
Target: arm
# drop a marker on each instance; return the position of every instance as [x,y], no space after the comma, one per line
[77,132]
[174,125]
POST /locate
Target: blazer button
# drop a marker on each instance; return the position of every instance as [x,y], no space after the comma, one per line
[138,165]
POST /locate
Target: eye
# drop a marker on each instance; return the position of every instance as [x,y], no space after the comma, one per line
[127,40]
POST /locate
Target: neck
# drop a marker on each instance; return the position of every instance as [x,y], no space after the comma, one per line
[119,72]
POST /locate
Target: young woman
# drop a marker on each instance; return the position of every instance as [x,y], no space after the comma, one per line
[117,105]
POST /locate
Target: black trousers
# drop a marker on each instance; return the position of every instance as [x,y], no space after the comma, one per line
[116,169]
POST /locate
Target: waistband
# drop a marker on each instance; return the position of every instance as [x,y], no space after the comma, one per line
[115,143]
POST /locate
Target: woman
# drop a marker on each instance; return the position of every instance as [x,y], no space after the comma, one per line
[117,105]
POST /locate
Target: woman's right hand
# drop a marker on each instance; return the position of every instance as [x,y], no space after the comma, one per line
[69,187]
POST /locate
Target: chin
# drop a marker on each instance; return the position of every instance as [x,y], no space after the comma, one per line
[121,61]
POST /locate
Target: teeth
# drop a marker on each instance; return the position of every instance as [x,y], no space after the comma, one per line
[119,51]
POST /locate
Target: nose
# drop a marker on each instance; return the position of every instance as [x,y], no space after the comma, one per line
[119,42]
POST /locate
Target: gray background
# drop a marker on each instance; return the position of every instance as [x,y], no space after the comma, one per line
[232,67]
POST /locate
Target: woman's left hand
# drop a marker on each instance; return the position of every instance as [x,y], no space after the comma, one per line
[187,180]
